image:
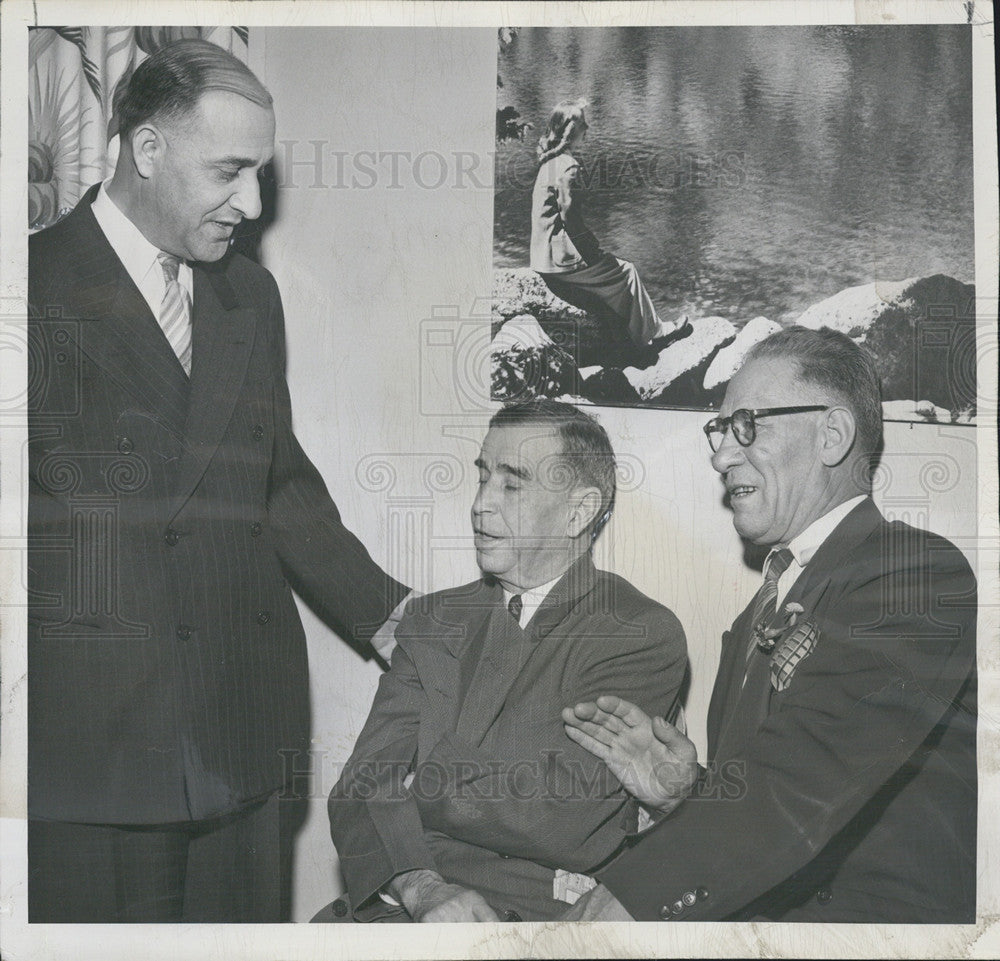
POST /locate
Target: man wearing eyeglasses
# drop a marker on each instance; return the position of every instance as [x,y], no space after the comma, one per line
[841,783]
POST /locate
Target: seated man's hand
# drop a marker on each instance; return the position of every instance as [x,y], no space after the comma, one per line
[598,904]
[655,762]
[428,897]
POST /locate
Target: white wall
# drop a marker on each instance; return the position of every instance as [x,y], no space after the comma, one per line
[382,283]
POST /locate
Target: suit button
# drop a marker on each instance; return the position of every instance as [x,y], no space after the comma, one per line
[171,537]
[824,895]
[125,446]
[256,529]
[263,617]
[689,898]
[701,894]
[258,432]
[184,632]
[339,908]
[510,915]
[664,913]
[677,907]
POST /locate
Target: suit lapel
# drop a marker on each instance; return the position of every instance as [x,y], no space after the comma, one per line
[728,693]
[833,554]
[116,328]
[493,676]
[507,648]
[439,637]
[747,705]
[222,338]
[571,588]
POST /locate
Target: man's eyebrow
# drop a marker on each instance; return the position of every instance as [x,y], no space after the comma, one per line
[518,472]
[238,162]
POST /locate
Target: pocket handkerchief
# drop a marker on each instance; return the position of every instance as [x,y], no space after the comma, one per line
[793,647]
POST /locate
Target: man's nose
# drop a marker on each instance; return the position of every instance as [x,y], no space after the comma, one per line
[729,454]
[246,200]
[483,501]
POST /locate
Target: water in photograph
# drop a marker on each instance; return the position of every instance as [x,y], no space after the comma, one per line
[754,171]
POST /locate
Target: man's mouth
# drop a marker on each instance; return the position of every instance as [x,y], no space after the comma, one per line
[739,491]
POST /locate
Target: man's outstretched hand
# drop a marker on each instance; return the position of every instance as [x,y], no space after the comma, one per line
[655,762]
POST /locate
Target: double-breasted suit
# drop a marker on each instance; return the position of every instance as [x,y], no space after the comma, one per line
[167,518]
[845,788]
[463,765]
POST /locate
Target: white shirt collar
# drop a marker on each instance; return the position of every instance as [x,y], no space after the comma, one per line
[136,253]
[811,539]
[531,599]
[805,545]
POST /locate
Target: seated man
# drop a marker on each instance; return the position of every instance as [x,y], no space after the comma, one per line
[842,728]
[463,796]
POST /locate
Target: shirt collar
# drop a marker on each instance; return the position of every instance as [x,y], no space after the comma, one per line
[532,599]
[135,252]
[805,545]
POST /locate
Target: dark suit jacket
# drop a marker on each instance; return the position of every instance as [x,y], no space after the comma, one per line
[850,795]
[500,796]
[167,663]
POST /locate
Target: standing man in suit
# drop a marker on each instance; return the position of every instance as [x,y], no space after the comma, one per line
[842,726]
[463,798]
[170,508]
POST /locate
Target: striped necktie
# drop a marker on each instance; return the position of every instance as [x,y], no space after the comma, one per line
[764,602]
[175,311]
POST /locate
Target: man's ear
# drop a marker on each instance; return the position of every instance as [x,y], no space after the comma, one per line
[584,508]
[837,436]
[148,147]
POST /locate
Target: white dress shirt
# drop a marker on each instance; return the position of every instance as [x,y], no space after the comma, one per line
[136,253]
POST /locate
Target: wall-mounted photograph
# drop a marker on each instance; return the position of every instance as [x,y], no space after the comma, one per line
[666,197]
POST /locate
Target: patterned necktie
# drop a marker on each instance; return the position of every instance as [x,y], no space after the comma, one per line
[764,602]
[175,311]
[514,607]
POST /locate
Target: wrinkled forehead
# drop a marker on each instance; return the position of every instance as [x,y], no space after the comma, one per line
[767,382]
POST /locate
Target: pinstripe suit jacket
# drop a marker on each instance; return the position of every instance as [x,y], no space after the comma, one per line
[167,676]
[500,795]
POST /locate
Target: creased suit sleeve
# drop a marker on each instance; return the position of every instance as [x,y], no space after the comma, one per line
[894,651]
[328,566]
[529,791]
[374,820]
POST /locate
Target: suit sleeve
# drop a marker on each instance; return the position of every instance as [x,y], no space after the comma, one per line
[529,791]
[893,652]
[325,563]
[374,820]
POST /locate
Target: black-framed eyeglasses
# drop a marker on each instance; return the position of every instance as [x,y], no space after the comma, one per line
[744,423]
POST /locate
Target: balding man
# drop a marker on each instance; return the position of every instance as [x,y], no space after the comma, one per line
[169,502]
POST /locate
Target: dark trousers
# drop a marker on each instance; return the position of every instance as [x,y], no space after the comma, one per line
[236,868]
